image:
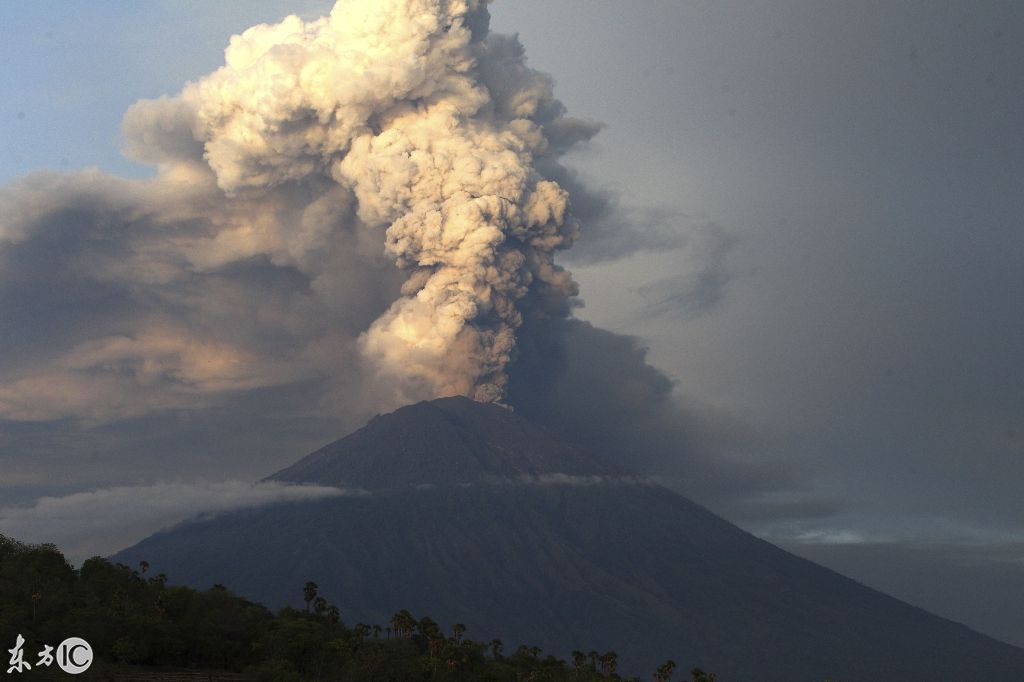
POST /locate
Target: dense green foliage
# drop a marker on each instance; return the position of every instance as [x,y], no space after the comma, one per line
[133,618]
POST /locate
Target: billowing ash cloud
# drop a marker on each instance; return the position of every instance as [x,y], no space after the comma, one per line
[244,303]
[410,116]
[291,182]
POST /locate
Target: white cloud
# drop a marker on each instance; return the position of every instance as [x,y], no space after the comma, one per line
[102,521]
[909,531]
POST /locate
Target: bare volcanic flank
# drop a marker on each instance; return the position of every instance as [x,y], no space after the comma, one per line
[448,441]
[470,514]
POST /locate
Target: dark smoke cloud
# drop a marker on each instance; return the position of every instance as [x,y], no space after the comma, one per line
[703,277]
[596,387]
[612,230]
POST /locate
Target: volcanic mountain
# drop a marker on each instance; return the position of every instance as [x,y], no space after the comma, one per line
[469,513]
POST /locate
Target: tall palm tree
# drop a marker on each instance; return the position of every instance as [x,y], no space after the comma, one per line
[609,662]
[429,629]
[664,671]
[403,623]
[309,593]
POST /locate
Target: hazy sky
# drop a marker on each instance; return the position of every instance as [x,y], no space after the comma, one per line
[828,197]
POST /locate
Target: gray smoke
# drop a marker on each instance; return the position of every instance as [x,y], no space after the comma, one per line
[291,181]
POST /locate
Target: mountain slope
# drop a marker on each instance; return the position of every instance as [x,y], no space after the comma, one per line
[470,514]
[449,441]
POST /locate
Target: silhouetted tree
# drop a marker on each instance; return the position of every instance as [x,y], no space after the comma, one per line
[609,662]
[403,623]
[664,671]
[309,593]
[138,622]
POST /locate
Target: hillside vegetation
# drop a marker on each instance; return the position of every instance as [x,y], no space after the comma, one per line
[130,616]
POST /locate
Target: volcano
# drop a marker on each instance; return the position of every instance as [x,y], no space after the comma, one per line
[471,514]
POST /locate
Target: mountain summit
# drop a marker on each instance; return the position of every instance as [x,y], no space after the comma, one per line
[448,441]
[469,513]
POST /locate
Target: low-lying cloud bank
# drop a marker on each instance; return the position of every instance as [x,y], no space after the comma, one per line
[100,522]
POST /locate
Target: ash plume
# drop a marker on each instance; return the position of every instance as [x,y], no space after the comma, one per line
[253,278]
[290,183]
[428,128]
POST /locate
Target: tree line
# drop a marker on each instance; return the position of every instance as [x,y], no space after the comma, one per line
[132,617]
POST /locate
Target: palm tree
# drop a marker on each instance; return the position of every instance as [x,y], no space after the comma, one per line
[457,631]
[403,623]
[609,661]
[496,647]
[319,606]
[664,671]
[309,593]
[333,614]
[699,675]
[143,566]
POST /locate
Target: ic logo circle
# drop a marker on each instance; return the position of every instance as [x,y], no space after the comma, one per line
[74,655]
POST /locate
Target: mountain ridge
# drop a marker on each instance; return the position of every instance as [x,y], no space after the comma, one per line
[474,515]
[495,442]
